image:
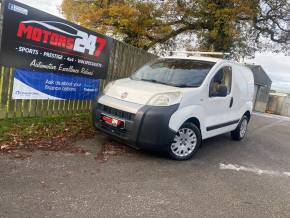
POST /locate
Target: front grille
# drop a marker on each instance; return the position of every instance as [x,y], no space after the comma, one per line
[115,112]
[116,130]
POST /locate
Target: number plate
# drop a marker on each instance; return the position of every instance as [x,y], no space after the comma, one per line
[115,122]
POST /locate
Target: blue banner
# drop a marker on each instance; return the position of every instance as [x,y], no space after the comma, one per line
[58,86]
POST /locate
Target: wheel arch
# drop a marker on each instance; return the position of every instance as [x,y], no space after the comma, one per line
[194,121]
[248,115]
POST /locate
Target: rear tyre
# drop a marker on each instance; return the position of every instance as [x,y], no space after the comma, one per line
[240,132]
[185,143]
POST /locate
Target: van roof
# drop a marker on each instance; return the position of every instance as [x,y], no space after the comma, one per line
[200,58]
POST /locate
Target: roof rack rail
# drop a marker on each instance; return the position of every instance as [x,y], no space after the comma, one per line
[200,53]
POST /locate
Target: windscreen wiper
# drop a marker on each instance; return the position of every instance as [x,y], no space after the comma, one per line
[182,85]
[150,80]
[155,81]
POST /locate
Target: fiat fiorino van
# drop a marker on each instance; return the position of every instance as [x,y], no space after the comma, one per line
[173,103]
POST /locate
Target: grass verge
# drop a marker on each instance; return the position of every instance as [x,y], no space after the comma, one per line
[49,133]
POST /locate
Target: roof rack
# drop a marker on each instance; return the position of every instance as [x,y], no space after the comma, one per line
[201,53]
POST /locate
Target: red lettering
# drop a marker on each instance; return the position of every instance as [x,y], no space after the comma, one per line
[54,39]
[70,42]
[36,34]
[62,41]
[102,43]
[46,34]
[23,30]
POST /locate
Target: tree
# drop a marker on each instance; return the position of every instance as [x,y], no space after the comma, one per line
[220,25]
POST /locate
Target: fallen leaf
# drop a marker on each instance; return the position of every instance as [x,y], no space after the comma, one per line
[4,147]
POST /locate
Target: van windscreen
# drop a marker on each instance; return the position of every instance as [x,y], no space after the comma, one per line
[175,72]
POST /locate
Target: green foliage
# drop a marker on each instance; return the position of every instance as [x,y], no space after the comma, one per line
[42,128]
[220,25]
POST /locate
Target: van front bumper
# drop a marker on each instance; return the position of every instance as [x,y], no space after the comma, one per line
[147,129]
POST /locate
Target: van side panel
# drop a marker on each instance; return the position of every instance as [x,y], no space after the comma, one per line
[244,90]
[185,113]
[247,74]
[251,84]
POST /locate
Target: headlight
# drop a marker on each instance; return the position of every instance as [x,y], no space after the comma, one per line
[106,89]
[165,99]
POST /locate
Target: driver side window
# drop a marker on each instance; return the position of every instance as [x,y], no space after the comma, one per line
[221,84]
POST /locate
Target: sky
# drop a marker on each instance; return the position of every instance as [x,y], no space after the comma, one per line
[49,6]
[277,66]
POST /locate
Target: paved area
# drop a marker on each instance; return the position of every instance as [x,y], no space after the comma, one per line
[225,179]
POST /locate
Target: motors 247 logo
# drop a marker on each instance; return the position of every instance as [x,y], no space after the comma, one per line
[61,35]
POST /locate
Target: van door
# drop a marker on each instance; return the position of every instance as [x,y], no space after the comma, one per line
[219,111]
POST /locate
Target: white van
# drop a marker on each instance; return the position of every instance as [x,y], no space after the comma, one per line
[173,103]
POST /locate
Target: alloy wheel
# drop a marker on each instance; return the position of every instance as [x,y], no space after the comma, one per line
[184,142]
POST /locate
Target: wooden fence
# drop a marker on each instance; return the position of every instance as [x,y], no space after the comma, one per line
[124,60]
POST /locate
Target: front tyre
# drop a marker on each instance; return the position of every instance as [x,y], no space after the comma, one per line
[185,143]
[239,133]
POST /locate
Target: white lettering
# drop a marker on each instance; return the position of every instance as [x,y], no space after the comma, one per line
[85,42]
[40,65]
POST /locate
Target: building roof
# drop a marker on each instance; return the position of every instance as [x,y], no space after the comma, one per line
[260,76]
